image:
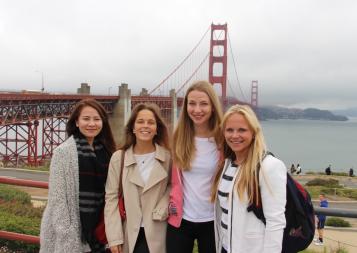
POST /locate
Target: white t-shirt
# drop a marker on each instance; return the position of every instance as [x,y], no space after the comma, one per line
[145,164]
[197,182]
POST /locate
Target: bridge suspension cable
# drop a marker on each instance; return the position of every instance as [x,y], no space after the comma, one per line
[235,69]
[194,72]
[183,61]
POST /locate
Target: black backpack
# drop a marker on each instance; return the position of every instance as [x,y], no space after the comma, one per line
[299,213]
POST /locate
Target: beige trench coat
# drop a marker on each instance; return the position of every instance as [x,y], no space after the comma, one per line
[148,202]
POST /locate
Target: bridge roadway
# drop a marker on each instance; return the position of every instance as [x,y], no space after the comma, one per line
[21,108]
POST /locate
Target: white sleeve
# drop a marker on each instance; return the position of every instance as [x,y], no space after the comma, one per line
[273,192]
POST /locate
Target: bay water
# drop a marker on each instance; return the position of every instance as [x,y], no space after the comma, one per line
[314,144]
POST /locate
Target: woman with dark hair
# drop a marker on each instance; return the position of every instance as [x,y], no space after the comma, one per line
[145,185]
[78,173]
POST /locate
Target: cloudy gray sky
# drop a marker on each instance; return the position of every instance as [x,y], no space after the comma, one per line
[302,52]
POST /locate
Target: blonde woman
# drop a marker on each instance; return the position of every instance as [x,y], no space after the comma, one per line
[145,184]
[195,152]
[236,187]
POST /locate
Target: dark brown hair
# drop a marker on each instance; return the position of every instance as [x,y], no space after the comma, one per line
[162,136]
[105,136]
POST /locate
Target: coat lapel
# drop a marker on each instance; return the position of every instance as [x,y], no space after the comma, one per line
[132,168]
[157,174]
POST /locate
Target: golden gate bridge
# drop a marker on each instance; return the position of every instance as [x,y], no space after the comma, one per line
[33,124]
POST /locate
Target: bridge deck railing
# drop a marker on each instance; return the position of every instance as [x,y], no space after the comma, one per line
[337,212]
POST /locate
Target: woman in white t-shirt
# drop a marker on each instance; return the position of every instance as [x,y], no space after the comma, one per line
[195,153]
[238,185]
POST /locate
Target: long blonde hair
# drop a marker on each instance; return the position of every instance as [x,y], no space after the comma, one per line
[248,177]
[184,135]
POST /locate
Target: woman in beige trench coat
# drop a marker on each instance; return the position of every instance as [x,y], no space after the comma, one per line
[145,182]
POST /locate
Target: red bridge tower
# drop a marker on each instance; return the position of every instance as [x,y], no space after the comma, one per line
[221,58]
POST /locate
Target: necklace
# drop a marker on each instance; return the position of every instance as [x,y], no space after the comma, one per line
[144,158]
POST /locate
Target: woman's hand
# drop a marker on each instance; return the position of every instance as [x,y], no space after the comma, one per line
[172,209]
[116,249]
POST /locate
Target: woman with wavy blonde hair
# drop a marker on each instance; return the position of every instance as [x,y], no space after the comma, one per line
[195,153]
[237,185]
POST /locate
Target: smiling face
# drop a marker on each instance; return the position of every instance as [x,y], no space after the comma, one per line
[89,123]
[199,108]
[238,135]
[145,126]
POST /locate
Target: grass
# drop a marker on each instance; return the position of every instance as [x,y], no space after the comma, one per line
[341,192]
[338,250]
[195,250]
[45,167]
[329,187]
[339,174]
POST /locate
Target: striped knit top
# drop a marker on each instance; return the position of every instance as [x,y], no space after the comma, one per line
[224,188]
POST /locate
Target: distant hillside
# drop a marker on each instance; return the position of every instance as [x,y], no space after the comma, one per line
[350,112]
[276,112]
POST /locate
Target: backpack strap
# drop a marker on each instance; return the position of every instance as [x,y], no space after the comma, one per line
[258,210]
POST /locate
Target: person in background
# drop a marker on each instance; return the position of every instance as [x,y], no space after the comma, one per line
[196,155]
[292,169]
[78,172]
[321,221]
[328,170]
[350,173]
[145,184]
[237,186]
[298,169]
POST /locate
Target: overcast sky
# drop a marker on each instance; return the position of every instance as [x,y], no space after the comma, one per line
[302,52]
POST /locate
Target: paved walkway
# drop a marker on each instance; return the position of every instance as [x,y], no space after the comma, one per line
[333,238]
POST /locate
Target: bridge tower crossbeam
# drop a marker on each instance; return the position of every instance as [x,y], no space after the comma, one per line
[254,94]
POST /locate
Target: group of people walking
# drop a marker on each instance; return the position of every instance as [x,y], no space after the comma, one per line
[197,187]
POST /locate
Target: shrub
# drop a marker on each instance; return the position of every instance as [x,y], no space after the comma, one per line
[19,216]
[8,193]
[337,222]
[349,193]
[26,210]
[324,182]
[339,173]
[23,225]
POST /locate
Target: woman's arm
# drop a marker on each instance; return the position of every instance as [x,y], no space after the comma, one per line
[112,219]
[60,217]
[273,192]
[161,211]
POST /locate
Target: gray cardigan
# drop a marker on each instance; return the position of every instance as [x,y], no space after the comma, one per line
[60,225]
